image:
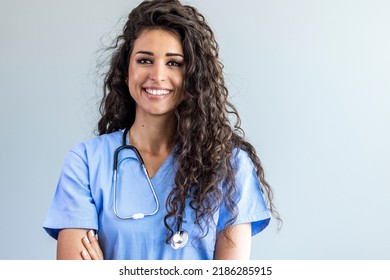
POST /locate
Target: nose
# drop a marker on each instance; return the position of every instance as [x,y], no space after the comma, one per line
[158,72]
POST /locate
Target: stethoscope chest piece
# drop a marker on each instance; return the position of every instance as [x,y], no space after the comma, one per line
[179,239]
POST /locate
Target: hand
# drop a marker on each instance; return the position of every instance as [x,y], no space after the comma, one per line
[92,249]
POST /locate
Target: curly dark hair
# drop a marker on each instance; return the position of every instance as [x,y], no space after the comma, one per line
[204,136]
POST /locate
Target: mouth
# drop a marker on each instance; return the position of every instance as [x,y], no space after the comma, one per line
[157,92]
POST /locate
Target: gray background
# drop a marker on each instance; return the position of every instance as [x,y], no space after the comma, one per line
[310,78]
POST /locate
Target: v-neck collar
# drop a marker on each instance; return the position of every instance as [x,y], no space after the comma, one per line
[164,168]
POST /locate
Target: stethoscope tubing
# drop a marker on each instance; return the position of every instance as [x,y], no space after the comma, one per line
[179,239]
[135,216]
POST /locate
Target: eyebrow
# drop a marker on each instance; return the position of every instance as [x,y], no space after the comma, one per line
[167,54]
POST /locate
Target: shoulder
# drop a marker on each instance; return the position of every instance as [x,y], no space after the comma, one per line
[98,145]
[241,161]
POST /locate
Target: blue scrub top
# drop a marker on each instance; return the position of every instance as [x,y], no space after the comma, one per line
[84,199]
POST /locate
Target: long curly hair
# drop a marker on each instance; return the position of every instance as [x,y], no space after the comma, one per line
[204,136]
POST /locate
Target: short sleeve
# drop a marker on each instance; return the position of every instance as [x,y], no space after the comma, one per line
[251,206]
[72,205]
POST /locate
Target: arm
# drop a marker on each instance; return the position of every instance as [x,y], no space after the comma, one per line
[238,248]
[78,244]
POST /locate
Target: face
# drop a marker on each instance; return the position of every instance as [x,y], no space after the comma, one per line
[156,72]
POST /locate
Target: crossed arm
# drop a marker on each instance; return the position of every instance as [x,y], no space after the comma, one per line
[82,244]
[78,244]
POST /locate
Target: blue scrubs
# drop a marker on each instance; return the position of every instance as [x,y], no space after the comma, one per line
[84,199]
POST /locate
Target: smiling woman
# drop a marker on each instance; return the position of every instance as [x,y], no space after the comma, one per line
[169,177]
[156,73]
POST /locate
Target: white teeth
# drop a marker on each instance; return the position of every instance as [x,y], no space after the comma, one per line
[157,91]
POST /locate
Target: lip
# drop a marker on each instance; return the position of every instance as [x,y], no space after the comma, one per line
[155,88]
[163,92]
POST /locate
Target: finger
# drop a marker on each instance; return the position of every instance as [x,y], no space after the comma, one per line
[92,238]
[95,243]
[90,249]
[85,255]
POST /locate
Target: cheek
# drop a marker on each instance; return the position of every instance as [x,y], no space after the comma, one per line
[179,81]
[132,78]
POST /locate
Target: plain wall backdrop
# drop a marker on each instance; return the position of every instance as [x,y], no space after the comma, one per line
[311,80]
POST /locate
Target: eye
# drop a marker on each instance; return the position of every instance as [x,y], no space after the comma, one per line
[174,63]
[144,61]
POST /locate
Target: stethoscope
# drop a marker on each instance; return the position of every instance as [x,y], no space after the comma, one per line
[180,238]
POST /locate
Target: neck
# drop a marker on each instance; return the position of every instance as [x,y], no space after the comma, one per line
[153,135]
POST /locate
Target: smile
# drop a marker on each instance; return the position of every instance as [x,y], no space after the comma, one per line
[157,91]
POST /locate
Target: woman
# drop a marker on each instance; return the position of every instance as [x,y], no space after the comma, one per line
[165,95]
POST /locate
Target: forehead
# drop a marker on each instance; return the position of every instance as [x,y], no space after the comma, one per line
[158,39]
